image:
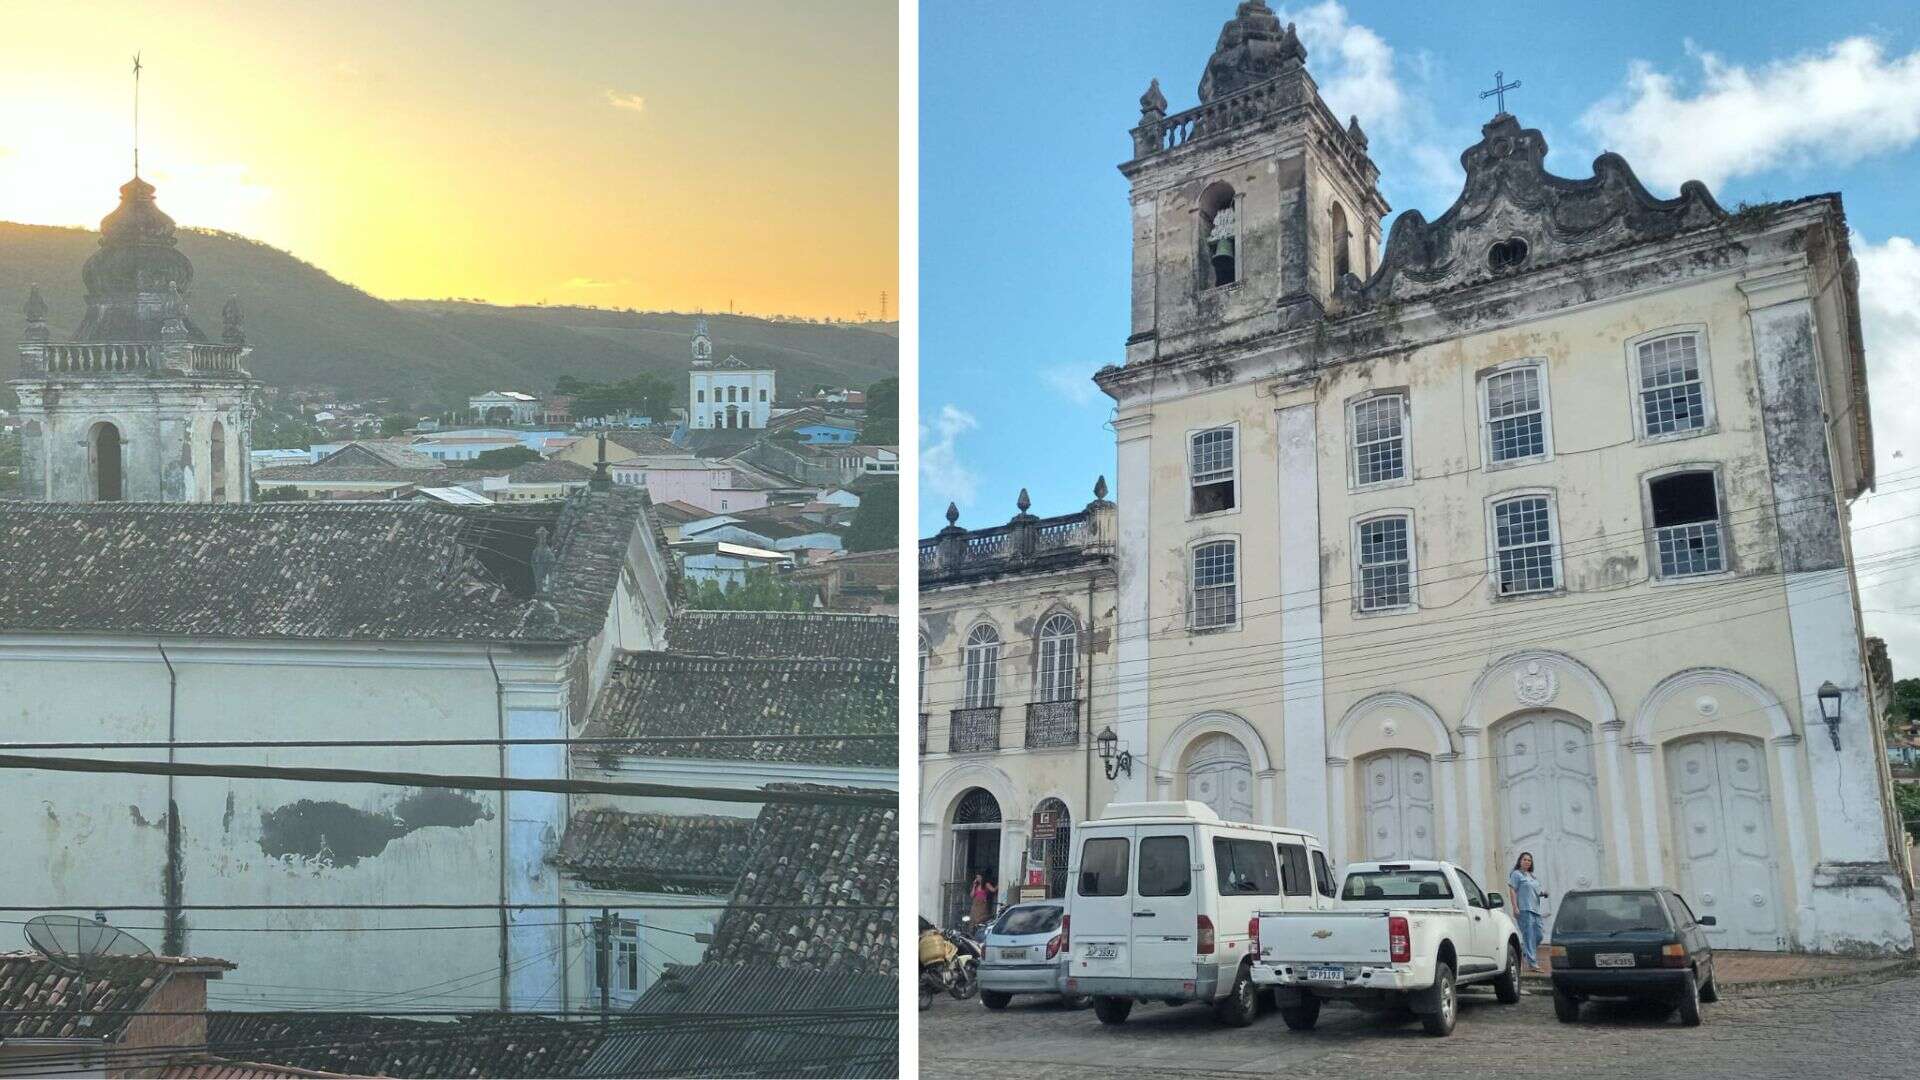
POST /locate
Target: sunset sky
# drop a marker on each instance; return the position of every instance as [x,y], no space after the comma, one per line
[658,155]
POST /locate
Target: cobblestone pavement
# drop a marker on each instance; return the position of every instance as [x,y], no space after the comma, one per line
[1740,968]
[1856,1031]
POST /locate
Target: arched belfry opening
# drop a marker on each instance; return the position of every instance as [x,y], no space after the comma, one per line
[106,471]
[217,459]
[1340,236]
[1219,235]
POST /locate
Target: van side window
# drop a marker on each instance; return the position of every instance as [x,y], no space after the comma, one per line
[1245,868]
[1322,875]
[1165,867]
[1293,870]
[1103,867]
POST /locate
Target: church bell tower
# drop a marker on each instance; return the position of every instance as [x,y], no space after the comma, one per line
[141,405]
[1248,208]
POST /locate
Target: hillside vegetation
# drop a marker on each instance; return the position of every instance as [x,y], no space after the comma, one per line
[309,329]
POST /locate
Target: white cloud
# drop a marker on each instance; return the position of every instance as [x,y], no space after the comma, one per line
[629,102]
[1889,280]
[1840,105]
[1073,382]
[941,473]
[1353,65]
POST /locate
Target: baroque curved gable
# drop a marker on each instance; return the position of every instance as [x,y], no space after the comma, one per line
[1510,196]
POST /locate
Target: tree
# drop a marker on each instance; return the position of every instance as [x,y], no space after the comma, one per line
[504,458]
[1906,799]
[761,591]
[876,522]
[883,414]
[1905,706]
[396,424]
[281,494]
[644,395]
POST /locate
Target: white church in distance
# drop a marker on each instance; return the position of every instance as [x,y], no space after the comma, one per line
[728,394]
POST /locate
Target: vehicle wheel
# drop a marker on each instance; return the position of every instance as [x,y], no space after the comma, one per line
[1689,1000]
[1446,997]
[1241,1004]
[1507,987]
[1303,1016]
[1709,991]
[965,981]
[995,999]
[1112,1010]
[1076,1001]
[926,998]
[1565,1006]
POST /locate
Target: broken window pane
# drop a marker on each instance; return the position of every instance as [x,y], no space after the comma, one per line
[1211,464]
[1686,524]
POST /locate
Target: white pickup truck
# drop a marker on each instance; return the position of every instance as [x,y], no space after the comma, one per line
[1405,934]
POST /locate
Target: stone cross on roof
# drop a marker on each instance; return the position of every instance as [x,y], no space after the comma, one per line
[1499,91]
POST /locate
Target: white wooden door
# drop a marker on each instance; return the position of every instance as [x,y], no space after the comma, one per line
[1722,824]
[1548,801]
[1220,774]
[1398,805]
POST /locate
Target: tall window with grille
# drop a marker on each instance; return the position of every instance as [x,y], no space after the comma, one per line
[1059,637]
[1514,404]
[1688,539]
[982,667]
[1216,585]
[1672,393]
[1524,545]
[1385,572]
[1211,460]
[1379,439]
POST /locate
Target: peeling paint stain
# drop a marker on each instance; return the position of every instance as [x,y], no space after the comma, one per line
[334,834]
[141,821]
[226,819]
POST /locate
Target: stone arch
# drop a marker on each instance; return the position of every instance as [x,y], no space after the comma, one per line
[939,850]
[1516,662]
[1367,707]
[106,462]
[1348,813]
[937,802]
[1171,760]
[1703,678]
[217,461]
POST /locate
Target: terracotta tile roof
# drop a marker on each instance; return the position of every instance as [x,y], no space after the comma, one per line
[481,1045]
[642,441]
[351,474]
[829,858]
[612,849]
[548,472]
[222,1069]
[676,512]
[784,633]
[376,455]
[419,571]
[864,1043]
[654,694]
[41,1001]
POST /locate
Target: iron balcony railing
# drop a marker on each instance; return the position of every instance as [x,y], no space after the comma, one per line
[974,731]
[1053,723]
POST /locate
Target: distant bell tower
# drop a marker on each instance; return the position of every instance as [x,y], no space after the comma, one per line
[141,405]
[702,344]
[1248,208]
[729,395]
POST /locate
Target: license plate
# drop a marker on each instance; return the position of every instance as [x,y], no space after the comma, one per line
[1613,959]
[1014,954]
[1102,952]
[1333,973]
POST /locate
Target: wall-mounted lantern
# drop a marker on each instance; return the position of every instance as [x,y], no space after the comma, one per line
[1830,710]
[1116,760]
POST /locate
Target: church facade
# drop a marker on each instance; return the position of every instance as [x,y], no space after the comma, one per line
[1529,534]
[728,394]
[140,405]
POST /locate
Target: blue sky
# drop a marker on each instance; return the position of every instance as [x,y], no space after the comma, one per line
[1025,110]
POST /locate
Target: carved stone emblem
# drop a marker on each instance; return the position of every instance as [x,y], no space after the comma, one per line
[1535,684]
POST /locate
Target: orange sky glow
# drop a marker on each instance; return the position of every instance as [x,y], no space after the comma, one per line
[658,154]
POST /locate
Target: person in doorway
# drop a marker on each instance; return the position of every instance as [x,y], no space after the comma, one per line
[982,893]
[1529,906]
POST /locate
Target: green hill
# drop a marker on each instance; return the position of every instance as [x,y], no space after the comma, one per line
[308,329]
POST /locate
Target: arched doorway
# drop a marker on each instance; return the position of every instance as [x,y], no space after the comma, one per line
[1396,803]
[105,469]
[1052,839]
[1219,773]
[1548,793]
[218,458]
[1722,822]
[976,851]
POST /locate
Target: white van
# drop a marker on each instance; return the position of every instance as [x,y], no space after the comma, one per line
[1161,898]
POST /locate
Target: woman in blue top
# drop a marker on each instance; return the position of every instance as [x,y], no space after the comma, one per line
[1529,905]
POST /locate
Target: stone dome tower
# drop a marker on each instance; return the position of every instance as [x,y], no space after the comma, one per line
[140,405]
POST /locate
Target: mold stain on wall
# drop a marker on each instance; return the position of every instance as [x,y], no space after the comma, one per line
[336,834]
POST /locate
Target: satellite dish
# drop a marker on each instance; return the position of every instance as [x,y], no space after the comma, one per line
[74,944]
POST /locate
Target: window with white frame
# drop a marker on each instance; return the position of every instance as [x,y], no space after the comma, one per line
[1059,637]
[1672,394]
[1216,585]
[617,958]
[1515,407]
[1523,542]
[982,667]
[1210,461]
[1385,574]
[1379,439]
[1687,536]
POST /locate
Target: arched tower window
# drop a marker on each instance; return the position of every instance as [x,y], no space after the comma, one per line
[218,458]
[982,656]
[104,467]
[1059,637]
[1341,237]
[1219,236]
[32,460]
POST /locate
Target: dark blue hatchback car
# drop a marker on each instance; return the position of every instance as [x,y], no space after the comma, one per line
[1643,944]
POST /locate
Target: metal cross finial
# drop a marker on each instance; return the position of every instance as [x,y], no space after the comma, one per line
[136,114]
[1499,91]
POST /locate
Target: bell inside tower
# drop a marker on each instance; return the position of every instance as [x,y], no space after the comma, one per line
[1219,216]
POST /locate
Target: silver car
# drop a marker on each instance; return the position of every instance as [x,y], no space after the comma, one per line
[1025,955]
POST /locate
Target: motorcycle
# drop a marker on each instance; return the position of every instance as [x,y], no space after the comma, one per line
[949,963]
